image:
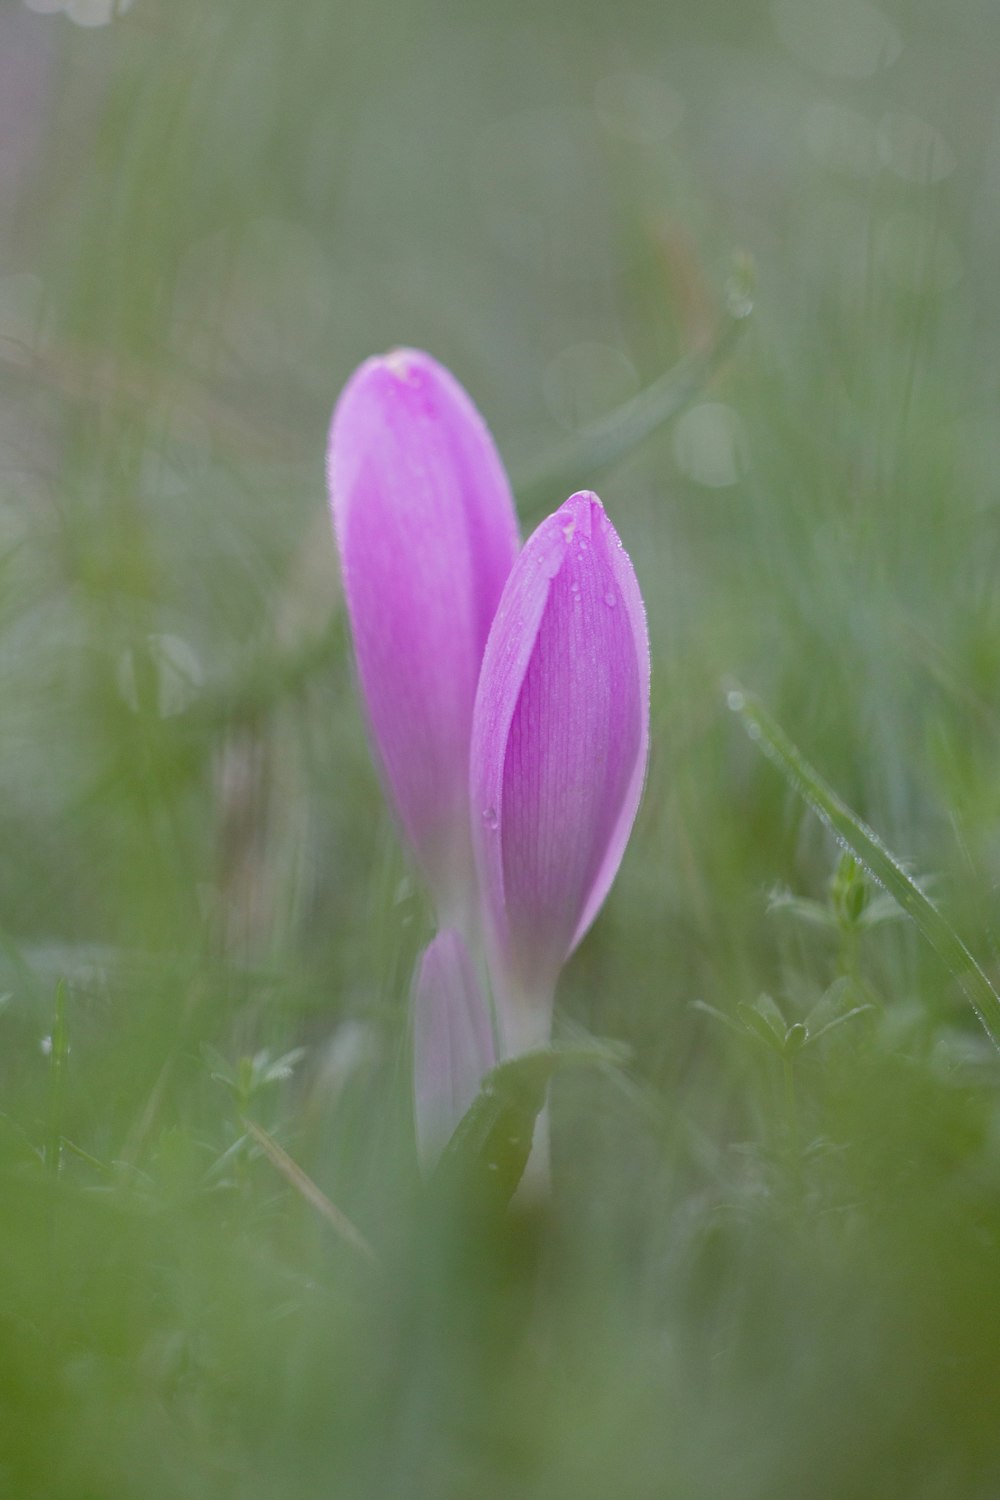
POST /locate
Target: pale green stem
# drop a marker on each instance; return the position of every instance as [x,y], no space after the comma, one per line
[526,1025]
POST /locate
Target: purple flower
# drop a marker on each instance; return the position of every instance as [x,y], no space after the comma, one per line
[559,741]
[452,1041]
[508,703]
[425,523]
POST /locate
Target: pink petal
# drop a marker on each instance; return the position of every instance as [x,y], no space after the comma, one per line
[452,1041]
[560,738]
[425,523]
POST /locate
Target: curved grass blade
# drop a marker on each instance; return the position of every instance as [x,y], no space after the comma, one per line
[574,464]
[880,863]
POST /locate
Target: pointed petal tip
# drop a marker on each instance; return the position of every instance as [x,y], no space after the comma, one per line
[403,362]
[379,374]
[576,516]
[571,568]
[404,365]
[404,380]
[400,365]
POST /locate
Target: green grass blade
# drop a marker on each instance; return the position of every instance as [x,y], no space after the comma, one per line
[880,863]
[576,463]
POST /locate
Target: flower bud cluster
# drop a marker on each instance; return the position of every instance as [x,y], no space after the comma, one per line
[507,695]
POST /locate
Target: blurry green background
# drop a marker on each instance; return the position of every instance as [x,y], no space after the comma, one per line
[761,1274]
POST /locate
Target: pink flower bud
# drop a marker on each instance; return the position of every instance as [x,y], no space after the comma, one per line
[559,742]
[452,1041]
[425,523]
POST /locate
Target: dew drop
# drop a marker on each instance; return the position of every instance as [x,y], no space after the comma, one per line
[735,700]
[739,302]
[490,818]
[399,362]
[610,599]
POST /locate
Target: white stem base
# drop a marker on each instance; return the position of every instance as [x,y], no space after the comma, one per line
[527,1025]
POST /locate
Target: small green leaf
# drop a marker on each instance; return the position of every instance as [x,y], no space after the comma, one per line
[848,891]
[813,913]
[219,1067]
[246,1078]
[251,1073]
[848,1015]
[489,1150]
[765,1005]
[717,1015]
[885,908]
[765,1021]
[282,1067]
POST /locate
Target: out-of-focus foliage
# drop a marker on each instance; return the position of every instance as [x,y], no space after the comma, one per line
[769,1263]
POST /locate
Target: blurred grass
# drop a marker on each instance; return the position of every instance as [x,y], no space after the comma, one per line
[760,1275]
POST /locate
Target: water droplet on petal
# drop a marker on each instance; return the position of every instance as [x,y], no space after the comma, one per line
[610,599]
[399,362]
[490,818]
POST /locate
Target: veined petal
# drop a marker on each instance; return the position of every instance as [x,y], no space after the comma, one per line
[452,1041]
[425,523]
[559,743]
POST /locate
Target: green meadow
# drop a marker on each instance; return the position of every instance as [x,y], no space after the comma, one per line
[734,266]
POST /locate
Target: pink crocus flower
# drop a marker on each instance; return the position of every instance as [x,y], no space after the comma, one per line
[425,523]
[559,744]
[508,702]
